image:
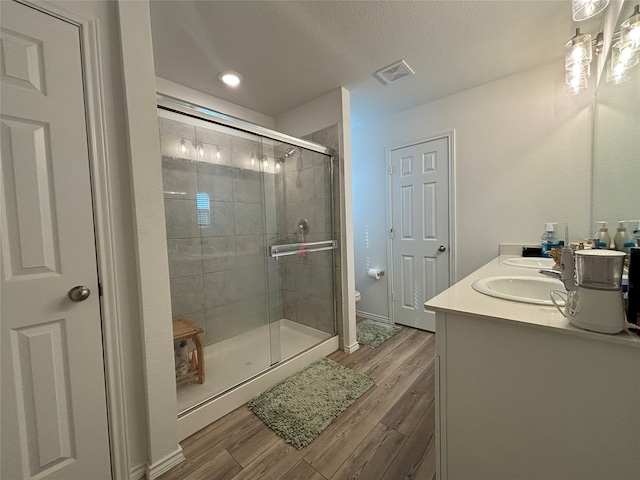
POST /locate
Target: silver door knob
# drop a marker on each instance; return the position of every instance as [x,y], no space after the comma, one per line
[79,293]
[442,248]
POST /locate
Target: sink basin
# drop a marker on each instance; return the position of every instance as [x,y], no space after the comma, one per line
[529,262]
[519,288]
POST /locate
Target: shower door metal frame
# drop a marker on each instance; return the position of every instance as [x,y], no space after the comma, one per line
[197,111]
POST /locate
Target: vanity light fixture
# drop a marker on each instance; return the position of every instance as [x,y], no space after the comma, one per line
[264,162]
[630,29]
[200,148]
[577,62]
[625,53]
[231,79]
[584,9]
[625,49]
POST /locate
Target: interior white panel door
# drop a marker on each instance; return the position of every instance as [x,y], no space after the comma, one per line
[420,230]
[53,411]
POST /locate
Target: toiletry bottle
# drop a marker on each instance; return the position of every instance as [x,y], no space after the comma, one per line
[602,235]
[622,239]
[635,234]
[550,240]
[633,298]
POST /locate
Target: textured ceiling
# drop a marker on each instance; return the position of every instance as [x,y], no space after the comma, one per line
[290,52]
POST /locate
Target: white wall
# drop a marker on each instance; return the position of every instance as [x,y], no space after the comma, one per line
[522,158]
[151,247]
[312,116]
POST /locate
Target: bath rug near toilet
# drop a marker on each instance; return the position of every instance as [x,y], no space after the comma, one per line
[301,406]
[372,333]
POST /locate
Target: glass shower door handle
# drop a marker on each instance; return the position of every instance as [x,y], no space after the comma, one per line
[282,250]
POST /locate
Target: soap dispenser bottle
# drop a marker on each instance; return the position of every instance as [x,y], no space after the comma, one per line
[550,239]
[622,239]
[602,235]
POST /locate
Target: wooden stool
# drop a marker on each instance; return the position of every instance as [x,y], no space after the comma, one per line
[184,329]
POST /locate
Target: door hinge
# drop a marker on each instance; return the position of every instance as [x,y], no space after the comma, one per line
[390,169]
[393,297]
[99,289]
[391,233]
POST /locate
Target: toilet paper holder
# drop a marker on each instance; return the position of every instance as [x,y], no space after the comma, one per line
[375,273]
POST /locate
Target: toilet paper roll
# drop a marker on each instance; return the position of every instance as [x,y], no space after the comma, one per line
[375,273]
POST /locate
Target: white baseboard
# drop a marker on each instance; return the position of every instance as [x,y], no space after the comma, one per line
[166,464]
[351,348]
[373,316]
[199,418]
[138,473]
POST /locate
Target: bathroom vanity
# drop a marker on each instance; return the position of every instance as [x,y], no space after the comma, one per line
[522,394]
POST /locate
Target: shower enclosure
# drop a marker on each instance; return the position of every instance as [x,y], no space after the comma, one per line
[251,247]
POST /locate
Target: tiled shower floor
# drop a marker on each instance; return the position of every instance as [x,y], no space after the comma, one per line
[236,359]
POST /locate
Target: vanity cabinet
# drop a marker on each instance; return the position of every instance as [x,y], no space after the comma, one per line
[521,394]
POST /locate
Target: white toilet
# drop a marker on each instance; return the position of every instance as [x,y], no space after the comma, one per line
[358,296]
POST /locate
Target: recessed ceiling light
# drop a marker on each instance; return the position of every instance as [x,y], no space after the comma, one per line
[230,78]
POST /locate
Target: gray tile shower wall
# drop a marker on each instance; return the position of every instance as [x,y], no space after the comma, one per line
[217,264]
[308,295]
[332,137]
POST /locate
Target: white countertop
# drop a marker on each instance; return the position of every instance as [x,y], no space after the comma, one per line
[462,298]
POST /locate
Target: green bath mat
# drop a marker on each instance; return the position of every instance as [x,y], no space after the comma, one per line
[301,406]
[372,333]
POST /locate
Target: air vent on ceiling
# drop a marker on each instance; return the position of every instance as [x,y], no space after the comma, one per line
[394,72]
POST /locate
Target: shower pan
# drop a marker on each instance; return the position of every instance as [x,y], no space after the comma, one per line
[260,288]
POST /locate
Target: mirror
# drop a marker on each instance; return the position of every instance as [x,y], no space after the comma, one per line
[616,145]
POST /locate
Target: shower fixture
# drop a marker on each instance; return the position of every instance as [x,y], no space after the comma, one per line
[290,152]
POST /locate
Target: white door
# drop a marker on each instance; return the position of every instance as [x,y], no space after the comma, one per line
[420,230]
[53,412]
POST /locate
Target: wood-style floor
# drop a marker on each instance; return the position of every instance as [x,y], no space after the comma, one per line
[388,433]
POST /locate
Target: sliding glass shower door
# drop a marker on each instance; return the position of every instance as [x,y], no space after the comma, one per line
[234,202]
[303,248]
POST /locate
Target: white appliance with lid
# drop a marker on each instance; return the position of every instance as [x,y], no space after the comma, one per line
[594,297]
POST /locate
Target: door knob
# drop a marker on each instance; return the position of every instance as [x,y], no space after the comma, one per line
[79,293]
[442,248]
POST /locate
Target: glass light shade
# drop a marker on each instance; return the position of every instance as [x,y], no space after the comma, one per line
[200,150]
[579,71]
[616,74]
[630,30]
[183,147]
[575,83]
[624,56]
[578,51]
[584,9]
